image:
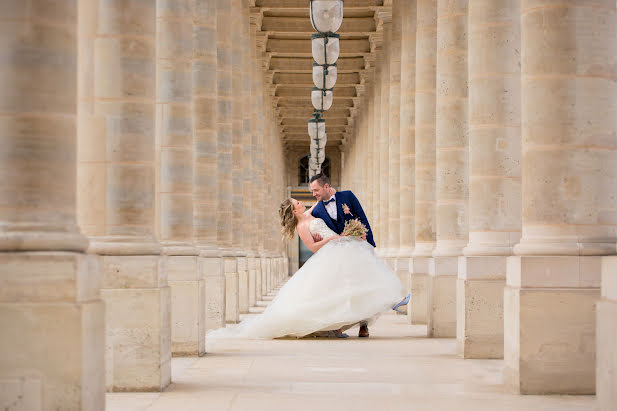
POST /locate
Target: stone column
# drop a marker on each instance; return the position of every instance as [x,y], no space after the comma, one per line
[117,177]
[494,175]
[407,11]
[394,145]
[384,139]
[451,165]
[424,223]
[257,147]
[606,335]
[205,198]
[51,313]
[174,142]
[376,119]
[225,103]
[249,123]
[237,300]
[569,185]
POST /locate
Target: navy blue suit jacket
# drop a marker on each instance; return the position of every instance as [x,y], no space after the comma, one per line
[338,225]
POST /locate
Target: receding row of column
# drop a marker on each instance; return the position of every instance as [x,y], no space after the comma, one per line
[508,184]
[148,125]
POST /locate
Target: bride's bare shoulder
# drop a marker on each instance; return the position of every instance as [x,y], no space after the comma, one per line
[305,225]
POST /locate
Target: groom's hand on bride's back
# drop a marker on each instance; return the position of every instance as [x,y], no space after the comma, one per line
[317,238]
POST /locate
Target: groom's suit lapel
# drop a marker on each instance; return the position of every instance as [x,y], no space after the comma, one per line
[340,218]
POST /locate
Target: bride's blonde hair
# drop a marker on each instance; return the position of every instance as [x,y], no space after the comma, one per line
[288,219]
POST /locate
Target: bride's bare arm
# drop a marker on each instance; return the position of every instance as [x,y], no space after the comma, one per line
[307,238]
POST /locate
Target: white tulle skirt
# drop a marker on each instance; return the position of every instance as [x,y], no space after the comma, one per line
[342,284]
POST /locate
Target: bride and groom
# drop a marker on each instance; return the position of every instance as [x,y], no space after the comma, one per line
[342,285]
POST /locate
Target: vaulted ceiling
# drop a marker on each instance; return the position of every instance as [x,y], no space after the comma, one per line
[284,35]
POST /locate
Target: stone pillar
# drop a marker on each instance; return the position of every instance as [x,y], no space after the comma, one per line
[205,198]
[384,139]
[494,175]
[376,115]
[424,223]
[569,181]
[248,188]
[394,145]
[225,103]
[235,299]
[606,335]
[117,177]
[407,11]
[451,165]
[51,313]
[174,142]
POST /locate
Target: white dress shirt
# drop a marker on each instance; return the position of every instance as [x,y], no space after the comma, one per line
[331,208]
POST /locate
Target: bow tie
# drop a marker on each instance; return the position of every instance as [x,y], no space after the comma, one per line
[329,201]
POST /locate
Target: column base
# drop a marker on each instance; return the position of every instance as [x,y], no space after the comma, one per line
[138,317]
[213,273]
[403,265]
[252,281]
[188,296]
[243,285]
[550,324]
[441,318]
[52,349]
[419,284]
[606,371]
[232,288]
[479,299]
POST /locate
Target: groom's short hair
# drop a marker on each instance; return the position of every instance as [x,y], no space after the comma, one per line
[321,178]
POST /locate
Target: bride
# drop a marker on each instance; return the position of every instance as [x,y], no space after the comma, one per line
[342,284]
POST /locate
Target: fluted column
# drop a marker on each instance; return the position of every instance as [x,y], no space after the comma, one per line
[494,175]
[174,143]
[51,311]
[424,223]
[251,74]
[237,301]
[407,123]
[205,189]
[569,183]
[256,154]
[225,104]
[377,200]
[394,143]
[117,193]
[451,165]
[384,139]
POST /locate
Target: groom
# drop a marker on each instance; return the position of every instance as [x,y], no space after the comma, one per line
[335,209]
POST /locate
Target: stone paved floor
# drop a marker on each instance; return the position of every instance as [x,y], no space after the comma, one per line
[397,368]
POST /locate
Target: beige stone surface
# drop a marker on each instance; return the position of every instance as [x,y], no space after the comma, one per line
[425,116]
[569,97]
[188,295]
[52,349]
[232,284]
[550,343]
[396,368]
[606,335]
[479,318]
[213,272]
[138,334]
[418,304]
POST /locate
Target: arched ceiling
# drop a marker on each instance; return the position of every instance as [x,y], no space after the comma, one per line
[284,35]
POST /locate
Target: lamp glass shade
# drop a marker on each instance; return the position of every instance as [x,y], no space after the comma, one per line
[320,142]
[325,48]
[321,99]
[324,77]
[326,15]
[316,128]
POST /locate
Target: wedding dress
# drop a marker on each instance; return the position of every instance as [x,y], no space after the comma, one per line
[343,283]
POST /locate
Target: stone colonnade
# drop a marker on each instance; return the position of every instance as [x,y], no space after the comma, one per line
[500,177]
[141,176]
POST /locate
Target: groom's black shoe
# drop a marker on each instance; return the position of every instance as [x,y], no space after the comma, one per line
[363,332]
